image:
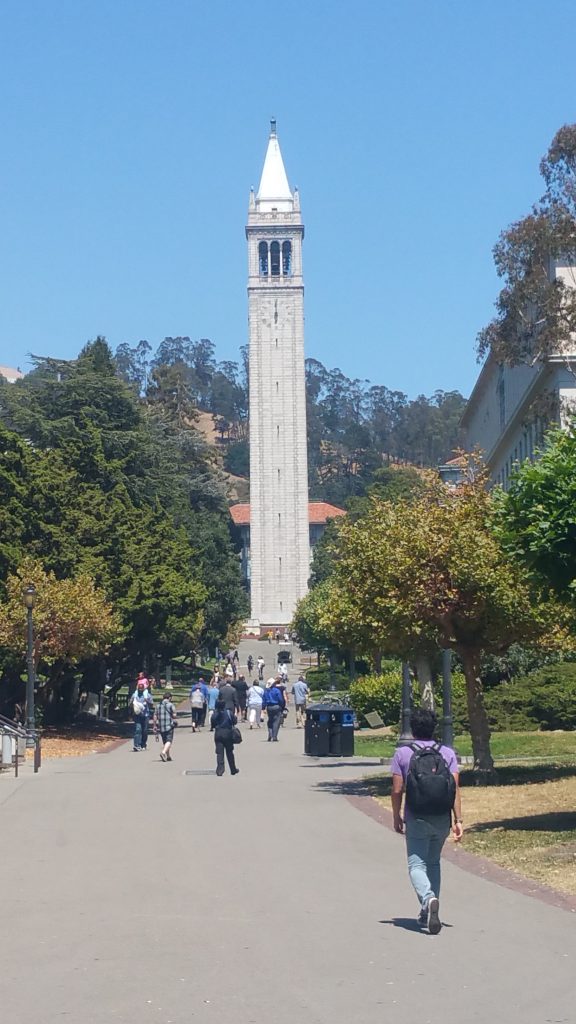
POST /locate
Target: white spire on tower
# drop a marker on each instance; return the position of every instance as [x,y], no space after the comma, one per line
[274,191]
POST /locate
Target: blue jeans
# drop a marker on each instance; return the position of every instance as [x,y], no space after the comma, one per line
[425,838]
[140,732]
[274,712]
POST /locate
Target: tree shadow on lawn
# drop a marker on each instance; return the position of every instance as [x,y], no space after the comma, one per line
[553,821]
[522,775]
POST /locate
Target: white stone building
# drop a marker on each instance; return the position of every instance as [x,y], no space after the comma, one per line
[279,537]
[511,406]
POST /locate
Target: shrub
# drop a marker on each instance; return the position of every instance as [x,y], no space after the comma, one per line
[381,693]
[321,678]
[544,699]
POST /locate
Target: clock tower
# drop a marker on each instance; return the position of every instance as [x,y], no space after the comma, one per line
[279,530]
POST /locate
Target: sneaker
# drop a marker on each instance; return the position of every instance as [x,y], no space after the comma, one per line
[434,922]
[219,771]
[423,917]
[168,757]
[162,756]
[235,772]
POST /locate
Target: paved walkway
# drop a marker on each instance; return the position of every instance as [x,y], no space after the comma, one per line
[134,892]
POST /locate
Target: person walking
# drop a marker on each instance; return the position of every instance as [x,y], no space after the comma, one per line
[273,703]
[260,663]
[198,698]
[300,692]
[223,722]
[241,687]
[254,699]
[142,707]
[427,773]
[165,721]
[250,665]
[229,696]
[213,694]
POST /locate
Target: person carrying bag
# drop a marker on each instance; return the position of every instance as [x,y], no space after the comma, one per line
[224,725]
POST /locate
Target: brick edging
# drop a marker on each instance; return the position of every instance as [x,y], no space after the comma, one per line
[476,865]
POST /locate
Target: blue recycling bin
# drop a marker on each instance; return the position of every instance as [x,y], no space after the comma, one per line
[329,731]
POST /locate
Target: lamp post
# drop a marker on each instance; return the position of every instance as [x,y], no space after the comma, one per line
[29,595]
[406,736]
[447,718]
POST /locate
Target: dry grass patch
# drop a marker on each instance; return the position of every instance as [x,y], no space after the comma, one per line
[71,743]
[528,823]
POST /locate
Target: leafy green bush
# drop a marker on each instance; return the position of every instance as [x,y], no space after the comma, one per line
[321,678]
[544,699]
[382,693]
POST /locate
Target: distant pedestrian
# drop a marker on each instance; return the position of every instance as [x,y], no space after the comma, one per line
[241,687]
[165,721]
[254,699]
[300,692]
[223,721]
[213,694]
[260,663]
[283,672]
[198,701]
[142,706]
[273,703]
[250,665]
[229,696]
[427,773]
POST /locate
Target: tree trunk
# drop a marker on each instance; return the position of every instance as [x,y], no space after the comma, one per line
[378,663]
[424,677]
[484,770]
[352,663]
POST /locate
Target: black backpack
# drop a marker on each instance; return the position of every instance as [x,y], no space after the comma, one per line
[430,785]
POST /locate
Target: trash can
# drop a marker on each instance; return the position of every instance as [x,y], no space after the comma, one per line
[329,731]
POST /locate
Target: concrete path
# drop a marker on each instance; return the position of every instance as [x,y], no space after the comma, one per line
[134,892]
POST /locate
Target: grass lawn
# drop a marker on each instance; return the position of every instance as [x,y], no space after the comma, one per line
[527,822]
[555,745]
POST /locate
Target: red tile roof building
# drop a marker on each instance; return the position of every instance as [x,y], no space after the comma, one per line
[319,512]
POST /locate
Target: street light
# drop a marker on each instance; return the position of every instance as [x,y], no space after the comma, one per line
[406,737]
[29,596]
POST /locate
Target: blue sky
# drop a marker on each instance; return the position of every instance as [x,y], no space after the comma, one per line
[133,129]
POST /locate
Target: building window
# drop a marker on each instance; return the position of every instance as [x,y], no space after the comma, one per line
[275,259]
[263,258]
[286,258]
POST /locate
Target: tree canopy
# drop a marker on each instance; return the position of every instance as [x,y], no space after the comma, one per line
[412,577]
[536,310]
[537,516]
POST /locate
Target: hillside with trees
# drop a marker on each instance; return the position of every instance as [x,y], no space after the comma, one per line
[355,428]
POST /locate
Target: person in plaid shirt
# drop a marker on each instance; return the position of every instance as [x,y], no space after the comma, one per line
[164,721]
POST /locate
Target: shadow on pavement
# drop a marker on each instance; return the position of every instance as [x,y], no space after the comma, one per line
[410,924]
[343,764]
[377,786]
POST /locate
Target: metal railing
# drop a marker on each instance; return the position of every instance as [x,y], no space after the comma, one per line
[14,736]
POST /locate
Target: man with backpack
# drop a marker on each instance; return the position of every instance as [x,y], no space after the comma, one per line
[427,773]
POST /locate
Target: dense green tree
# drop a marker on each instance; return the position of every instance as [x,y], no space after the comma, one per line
[536,312]
[537,516]
[410,578]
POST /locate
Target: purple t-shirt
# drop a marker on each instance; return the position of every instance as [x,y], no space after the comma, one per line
[403,755]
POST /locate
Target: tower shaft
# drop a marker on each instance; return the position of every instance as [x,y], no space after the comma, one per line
[279,529]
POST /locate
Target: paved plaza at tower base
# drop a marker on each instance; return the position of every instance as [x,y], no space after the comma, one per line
[138,891]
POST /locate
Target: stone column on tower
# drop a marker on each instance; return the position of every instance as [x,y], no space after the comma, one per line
[279,530]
